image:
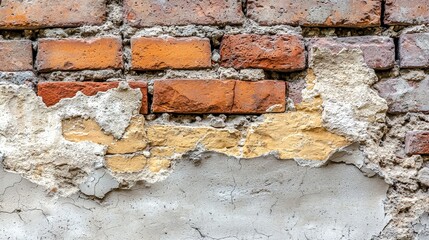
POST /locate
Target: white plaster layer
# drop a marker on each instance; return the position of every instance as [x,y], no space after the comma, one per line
[31,138]
[350,107]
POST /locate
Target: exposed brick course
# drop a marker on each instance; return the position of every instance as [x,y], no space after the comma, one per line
[218,96]
[378,52]
[328,13]
[146,13]
[53,92]
[278,52]
[50,13]
[417,142]
[176,53]
[414,50]
[79,54]
[406,12]
[16,55]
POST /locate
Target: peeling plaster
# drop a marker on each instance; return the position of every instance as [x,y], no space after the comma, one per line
[137,150]
[314,130]
[350,107]
[31,137]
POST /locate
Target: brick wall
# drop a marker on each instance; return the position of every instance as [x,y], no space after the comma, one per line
[128,52]
[231,59]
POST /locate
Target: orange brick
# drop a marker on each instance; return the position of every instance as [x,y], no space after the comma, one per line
[218,96]
[53,92]
[259,97]
[50,13]
[177,53]
[278,52]
[79,54]
[16,56]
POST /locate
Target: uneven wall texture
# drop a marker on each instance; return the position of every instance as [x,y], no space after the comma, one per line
[214,119]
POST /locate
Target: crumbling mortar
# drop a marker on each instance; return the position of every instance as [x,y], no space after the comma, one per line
[399,170]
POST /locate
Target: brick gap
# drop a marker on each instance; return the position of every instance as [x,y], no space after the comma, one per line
[149,101]
[126,60]
[158,73]
[316,32]
[35,50]
[396,42]
[285,76]
[34,39]
[384,74]
[12,34]
[383,12]
[243,6]
[214,47]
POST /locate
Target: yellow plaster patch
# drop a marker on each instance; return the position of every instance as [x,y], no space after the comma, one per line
[134,139]
[291,135]
[172,140]
[125,164]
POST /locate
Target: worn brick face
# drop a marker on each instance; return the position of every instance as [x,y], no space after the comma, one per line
[414,50]
[218,96]
[378,52]
[51,13]
[79,54]
[326,13]
[146,13]
[278,52]
[53,92]
[16,56]
[417,142]
[406,12]
[404,95]
[176,53]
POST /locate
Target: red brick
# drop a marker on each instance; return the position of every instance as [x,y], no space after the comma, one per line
[16,56]
[53,92]
[278,52]
[176,53]
[50,13]
[406,12]
[414,50]
[417,142]
[79,54]
[218,96]
[326,13]
[378,52]
[147,13]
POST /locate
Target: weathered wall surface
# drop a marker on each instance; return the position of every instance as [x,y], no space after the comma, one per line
[231,199]
[214,119]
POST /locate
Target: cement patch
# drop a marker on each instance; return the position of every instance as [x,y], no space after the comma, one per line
[218,197]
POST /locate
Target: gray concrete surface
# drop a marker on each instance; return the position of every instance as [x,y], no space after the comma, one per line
[217,198]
